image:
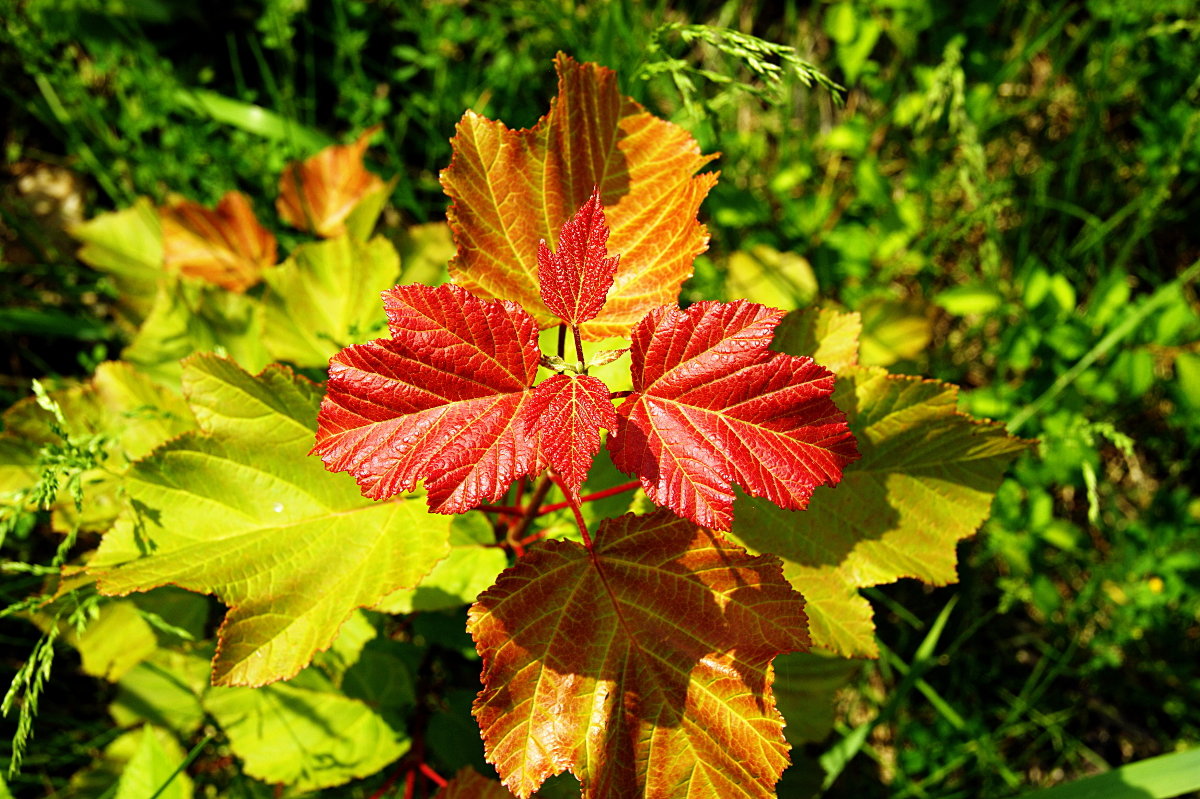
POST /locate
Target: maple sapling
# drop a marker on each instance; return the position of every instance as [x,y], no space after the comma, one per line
[641,658]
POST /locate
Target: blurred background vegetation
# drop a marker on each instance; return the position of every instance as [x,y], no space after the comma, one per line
[1005,190]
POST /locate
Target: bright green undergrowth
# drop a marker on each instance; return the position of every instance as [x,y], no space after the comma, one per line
[1004,193]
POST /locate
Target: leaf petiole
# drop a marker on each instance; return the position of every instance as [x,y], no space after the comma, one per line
[520,527]
[582,368]
[574,506]
[632,485]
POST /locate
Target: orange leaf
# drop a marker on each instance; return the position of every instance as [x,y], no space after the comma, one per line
[226,246]
[642,666]
[317,194]
[512,189]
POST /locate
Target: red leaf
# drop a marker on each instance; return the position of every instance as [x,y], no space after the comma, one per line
[512,188]
[569,411]
[712,405]
[226,246]
[642,666]
[438,401]
[576,279]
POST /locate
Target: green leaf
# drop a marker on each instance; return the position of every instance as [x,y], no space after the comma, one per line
[135,766]
[116,641]
[424,252]
[974,299]
[251,118]
[164,690]
[805,684]
[126,409]
[827,336]
[892,332]
[925,480]
[154,769]
[127,246]
[305,733]
[467,571]
[764,275]
[189,317]
[242,512]
[326,296]
[1187,376]
[1154,778]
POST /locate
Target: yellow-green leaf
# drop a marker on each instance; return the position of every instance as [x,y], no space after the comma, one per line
[241,511]
[326,296]
[925,480]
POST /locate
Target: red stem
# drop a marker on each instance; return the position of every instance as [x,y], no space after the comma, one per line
[520,526]
[436,778]
[578,345]
[608,492]
[410,783]
[619,395]
[511,510]
[587,539]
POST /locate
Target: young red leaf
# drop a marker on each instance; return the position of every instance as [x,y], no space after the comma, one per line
[712,405]
[576,279]
[512,188]
[587,666]
[437,402]
[569,410]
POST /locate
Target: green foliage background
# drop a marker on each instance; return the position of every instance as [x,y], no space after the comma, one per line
[1004,190]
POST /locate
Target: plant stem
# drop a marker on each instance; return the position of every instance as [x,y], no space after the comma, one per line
[578,348]
[574,505]
[433,776]
[529,512]
[562,341]
[619,395]
[511,510]
[632,485]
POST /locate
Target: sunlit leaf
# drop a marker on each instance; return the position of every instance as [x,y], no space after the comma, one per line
[326,296]
[190,317]
[925,480]
[135,765]
[240,511]
[305,733]
[226,246]
[130,413]
[829,337]
[126,245]
[512,189]
[712,405]
[436,402]
[472,566]
[163,690]
[318,194]
[764,275]
[892,331]
[588,665]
